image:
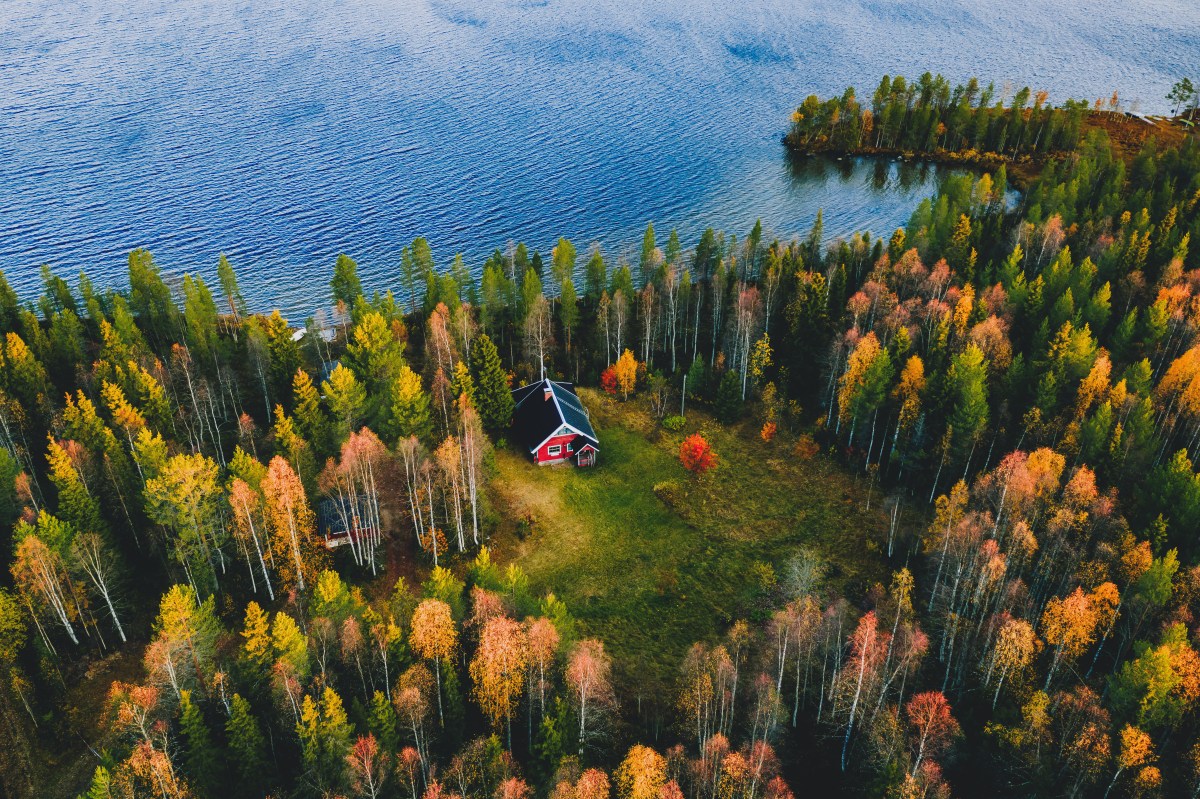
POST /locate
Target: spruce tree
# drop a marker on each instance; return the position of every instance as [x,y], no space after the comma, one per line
[345,283]
[10,306]
[229,287]
[492,394]
[729,397]
[382,722]
[247,746]
[648,262]
[101,787]
[310,416]
[200,755]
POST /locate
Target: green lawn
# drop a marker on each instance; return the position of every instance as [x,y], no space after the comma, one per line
[649,578]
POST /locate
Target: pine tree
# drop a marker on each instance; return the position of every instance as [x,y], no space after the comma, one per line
[969,408]
[200,320]
[595,276]
[151,301]
[101,787]
[10,305]
[568,310]
[310,416]
[345,283]
[648,262]
[492,394]
[247,747]
[201,760]
[564,261]
[324,739]
[257,652]
[462,383]
[229,287]
[729,397]
[381,719]
[347,398]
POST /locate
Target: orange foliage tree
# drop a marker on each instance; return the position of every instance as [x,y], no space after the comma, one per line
[498,669]
[933,726]
[642,774]
[293,523]
[588,678]
[434,637]
[625,371]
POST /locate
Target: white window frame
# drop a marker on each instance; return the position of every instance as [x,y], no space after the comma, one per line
[554,450]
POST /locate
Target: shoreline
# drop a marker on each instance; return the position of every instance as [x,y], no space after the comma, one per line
[1021,172]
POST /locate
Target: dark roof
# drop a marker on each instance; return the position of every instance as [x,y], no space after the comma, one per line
[331,520]
[536,417]
[579,442]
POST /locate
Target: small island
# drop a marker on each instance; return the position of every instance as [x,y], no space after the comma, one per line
[972,125]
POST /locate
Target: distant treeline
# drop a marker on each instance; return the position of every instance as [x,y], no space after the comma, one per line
[927,115]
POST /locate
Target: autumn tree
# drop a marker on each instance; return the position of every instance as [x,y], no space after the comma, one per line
[868,648]
[368,767]
[933,726]
[588,670]
[293,534]
[324,732]
[1013,651]
[434,636]
[1136,751]
[625,373]
[41,578]
[1069,626]
[498,670]
[642,774]
[347,399]
[411,702]
[181,655]
[250,530]
[410,406]
[185,499]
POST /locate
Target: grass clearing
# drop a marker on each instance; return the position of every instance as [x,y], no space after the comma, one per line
[650,578]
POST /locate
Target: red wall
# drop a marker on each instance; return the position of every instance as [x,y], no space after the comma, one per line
[543,454]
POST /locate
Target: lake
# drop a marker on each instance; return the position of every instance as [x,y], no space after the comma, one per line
[283,133]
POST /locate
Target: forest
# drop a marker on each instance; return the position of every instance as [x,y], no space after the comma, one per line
[969,123]
[1010,383]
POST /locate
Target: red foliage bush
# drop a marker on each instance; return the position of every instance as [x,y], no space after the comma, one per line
[608,381]
[696,454]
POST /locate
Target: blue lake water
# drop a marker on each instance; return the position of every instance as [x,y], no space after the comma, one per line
[283,133]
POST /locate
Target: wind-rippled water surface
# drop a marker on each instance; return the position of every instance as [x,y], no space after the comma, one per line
[285,132]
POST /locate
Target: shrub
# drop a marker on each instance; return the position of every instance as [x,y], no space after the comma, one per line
[696,454]
[608,381]
[668,492]
[806,448]
[768,432]
[674,423]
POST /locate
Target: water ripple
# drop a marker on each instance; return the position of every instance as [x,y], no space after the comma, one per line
[285,131]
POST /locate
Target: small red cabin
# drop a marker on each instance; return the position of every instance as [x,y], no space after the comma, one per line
[552,424]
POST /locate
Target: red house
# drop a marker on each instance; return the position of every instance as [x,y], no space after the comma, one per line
[550,422]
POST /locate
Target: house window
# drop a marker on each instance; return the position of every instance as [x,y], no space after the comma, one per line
[555,450]
[568,447]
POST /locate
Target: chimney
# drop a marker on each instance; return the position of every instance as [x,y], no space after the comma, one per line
[546,392]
